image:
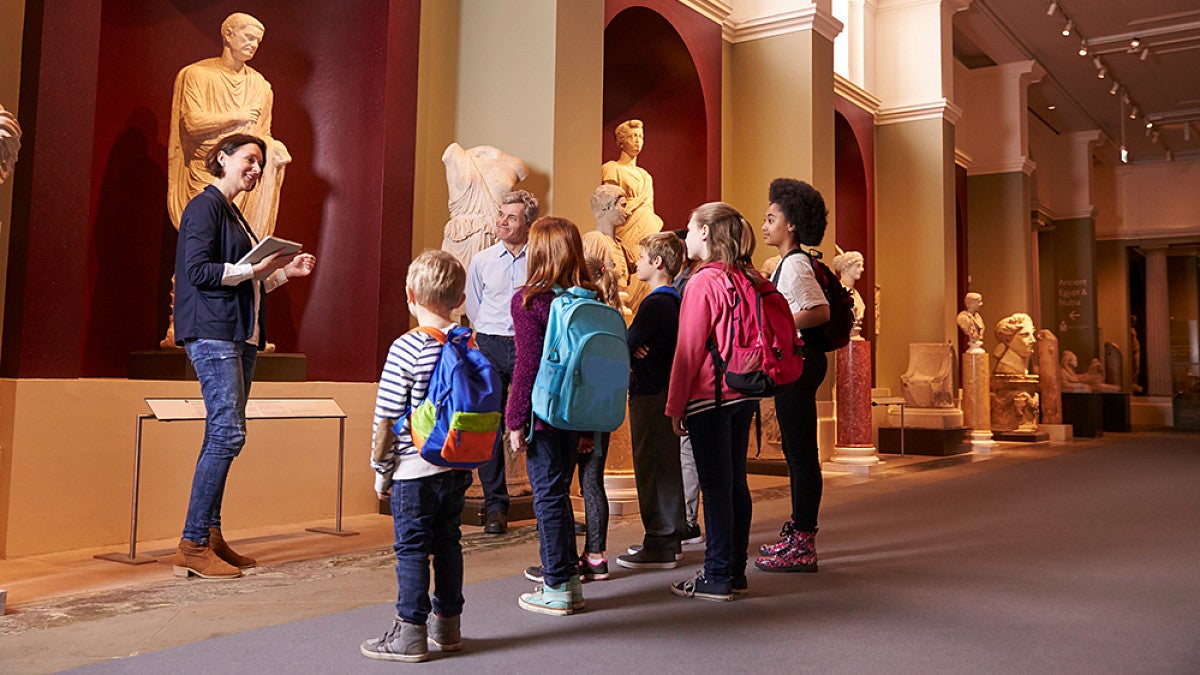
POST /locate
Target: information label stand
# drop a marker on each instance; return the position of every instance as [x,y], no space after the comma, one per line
[182,409]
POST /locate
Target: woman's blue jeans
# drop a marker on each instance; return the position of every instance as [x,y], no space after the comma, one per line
[225,370]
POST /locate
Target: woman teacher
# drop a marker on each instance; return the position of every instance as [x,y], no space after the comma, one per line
[219,322]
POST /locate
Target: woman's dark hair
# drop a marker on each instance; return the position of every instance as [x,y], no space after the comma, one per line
[230,145]
[803,207]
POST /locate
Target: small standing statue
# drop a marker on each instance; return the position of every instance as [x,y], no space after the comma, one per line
[608,208]
[1135,355]
[637,185]
[213,98]
[849,268]
[970,321]
[477,179]
[10,143]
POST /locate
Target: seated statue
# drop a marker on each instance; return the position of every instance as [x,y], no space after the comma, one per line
[929,380]
[1015,335]
[1069,378]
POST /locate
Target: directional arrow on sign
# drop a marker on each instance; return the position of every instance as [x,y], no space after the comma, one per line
[1073,315]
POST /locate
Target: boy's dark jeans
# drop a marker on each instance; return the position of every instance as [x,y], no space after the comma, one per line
[656,468]
[427,514]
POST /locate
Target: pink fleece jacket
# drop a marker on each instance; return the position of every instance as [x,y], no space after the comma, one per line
[706,310]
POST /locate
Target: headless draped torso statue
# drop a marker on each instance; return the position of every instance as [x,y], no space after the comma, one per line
[477,179]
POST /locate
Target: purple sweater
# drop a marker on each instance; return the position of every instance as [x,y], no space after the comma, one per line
[530,328]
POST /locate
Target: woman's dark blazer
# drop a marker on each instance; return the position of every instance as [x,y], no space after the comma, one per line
[212,233]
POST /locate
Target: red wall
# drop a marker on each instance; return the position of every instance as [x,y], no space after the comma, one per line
[854,168]
[90,272]
[662,65]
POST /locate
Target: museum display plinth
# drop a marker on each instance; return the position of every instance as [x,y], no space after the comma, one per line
[1014,404]
[173,364]
[854,450]
[1115,411]
[1084,412]
[925,441]
[976,399]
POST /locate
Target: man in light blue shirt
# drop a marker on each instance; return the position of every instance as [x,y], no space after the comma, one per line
[493,277]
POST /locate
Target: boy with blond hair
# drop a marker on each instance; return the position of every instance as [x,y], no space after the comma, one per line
[427,500]
[656,461]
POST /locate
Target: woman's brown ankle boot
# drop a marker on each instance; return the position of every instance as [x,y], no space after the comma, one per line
[219,546]
[200,560]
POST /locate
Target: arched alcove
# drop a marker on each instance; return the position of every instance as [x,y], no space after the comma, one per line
[854,216]
[649,75]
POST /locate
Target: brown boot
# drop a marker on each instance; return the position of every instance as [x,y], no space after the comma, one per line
[219,546]
[192,558]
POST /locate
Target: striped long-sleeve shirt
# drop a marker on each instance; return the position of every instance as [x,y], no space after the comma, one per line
[402,386]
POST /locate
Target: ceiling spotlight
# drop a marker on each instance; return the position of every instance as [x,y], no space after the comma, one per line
[1082,49]
[1096,62]
[1051,107]
[1124,155]
[1053,8]
[1145,54]
[1115,88]
[1133,113]
[1067,28]
[1101,73]
[1135,43]
[1149,125]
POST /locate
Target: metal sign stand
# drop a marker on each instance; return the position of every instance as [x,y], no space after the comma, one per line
[174,410]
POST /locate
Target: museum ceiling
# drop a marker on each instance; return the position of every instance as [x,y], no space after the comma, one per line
[1129,69]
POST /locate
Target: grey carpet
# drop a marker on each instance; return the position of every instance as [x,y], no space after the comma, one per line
[1082,562]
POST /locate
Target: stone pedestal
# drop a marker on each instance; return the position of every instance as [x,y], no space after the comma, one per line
[1014,404]
[174,364]
[925,441]
[1085,414]
[976,400]
[1116,411]
[853,395]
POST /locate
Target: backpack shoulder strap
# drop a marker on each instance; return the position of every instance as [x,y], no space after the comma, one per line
[431,332]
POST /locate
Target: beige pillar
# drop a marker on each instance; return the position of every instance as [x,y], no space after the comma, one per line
[914,151]
[1158,329]
[778,121]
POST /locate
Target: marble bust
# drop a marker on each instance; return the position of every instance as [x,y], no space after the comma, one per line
[849,268]
[10,143]
[636,183]
[216,97]
[970,321]
[1015,335]
[477,179]
[608,208]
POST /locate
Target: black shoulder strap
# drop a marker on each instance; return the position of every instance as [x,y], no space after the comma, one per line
[779,268]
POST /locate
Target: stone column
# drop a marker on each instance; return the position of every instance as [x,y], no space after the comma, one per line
[976,398]
[853,451]
[1158,329]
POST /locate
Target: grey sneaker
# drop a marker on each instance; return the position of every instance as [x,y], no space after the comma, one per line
[701,588]
[402,642]
[445,634]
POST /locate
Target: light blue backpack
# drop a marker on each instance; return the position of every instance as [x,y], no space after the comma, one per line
[583,380]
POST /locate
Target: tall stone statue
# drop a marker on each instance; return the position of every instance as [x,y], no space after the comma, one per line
[970,321]
[10,143]
[608,208]
[849,268]
[477,179]
[1015,335]
[1135,355]
[213,98]
[637,185]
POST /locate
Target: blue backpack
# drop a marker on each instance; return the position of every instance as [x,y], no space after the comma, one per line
[457,423]
[583,380]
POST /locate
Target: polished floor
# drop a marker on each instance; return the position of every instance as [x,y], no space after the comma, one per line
[108,611]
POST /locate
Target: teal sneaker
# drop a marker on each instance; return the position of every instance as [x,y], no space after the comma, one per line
[576,586]
[546,599]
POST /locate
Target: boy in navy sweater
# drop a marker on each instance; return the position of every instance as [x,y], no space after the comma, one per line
[656,467]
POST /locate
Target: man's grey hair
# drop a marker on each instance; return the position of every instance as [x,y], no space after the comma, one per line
[532,208]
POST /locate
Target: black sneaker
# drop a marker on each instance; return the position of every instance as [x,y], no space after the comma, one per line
[691,535]
[702,589]
[590,572]
[534,573]
[637,548]
[496,522]
[648,559]
[739,585]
